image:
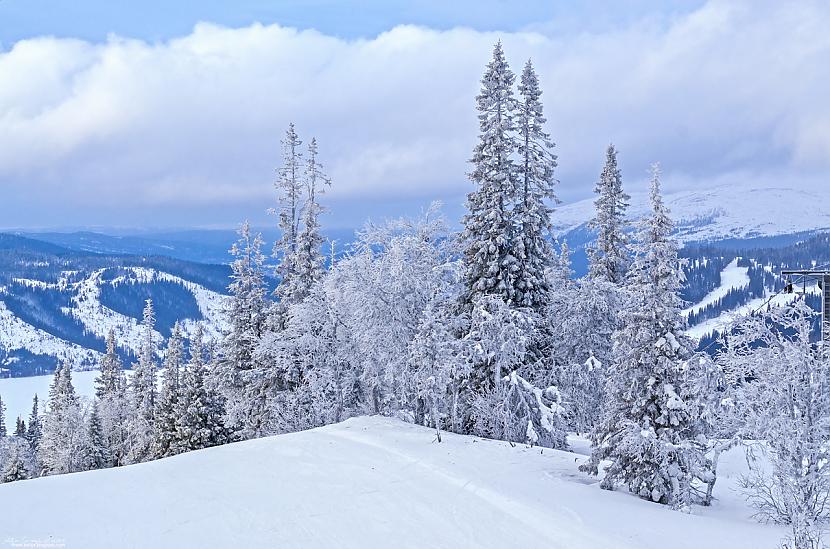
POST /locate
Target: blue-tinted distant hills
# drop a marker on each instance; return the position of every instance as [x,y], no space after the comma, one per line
[197,245]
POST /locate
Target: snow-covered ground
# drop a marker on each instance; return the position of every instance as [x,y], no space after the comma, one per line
[366,483]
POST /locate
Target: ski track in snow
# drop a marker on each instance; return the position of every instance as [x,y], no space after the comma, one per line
[731,277]
[529,518]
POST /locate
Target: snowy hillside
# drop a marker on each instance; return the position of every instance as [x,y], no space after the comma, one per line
[366,483]
[728,211]
[83,306]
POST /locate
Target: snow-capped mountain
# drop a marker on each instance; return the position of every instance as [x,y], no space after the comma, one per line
[734,211]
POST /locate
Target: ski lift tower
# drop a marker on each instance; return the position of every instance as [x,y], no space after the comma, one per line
[797,283]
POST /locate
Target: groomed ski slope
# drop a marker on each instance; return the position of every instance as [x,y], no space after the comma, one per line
[365,483]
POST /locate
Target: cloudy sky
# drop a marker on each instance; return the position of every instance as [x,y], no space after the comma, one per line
[169,113]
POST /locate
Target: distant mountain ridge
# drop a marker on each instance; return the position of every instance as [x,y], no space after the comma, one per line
[723,212]
[196,245]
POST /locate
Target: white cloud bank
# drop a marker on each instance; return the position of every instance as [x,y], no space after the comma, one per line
[189,129]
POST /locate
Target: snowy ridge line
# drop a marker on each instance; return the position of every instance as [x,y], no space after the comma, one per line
[210,303]
[97,319]
[721,212]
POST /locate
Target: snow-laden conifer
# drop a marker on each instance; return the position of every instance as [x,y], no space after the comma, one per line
[142,391]
[490,258]
[34,434]
[97,447]
[309,261]
[648,430]
[111,378]
[2,418]
[64,441]
[609,255]
[289,195]
[246,310]
[200,419]
[18,462]
[532,211]
[167,403]
[113,406]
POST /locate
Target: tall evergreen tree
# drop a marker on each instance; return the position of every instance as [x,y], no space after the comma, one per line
[609,256]
[532,211]
[648,430]
[200,419]
[290,188]
[309,260]
[113,406]
[97,451]
[2,418]
[246,309]
[167,404]
[143,391]
[20,428]
[491,262]
[33,431]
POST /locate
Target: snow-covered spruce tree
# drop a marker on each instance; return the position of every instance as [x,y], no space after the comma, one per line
[490,259]
[142,391]
[63,445]
[18,463]
[20,428]
[609,256]
[308,261]
[290,189]
[97,450]
[200,420]
[532,211]
[111,377]
[507,407]
[167,403]
[2,418]
[648,430]
[34,435]
[782,393]
[246,309]
[114,408]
